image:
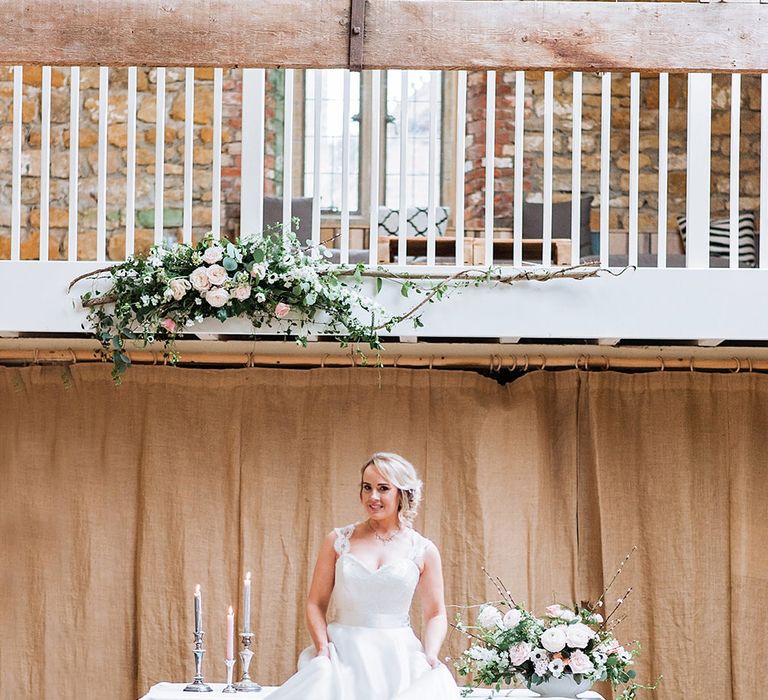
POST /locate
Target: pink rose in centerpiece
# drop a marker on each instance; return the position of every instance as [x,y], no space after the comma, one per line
[519,653]
[217,297]
[281,310]
[580,663]
[217,274]
[554,610]
[213,255]
[199,279]
[178,288]
[169,324]
[241,292]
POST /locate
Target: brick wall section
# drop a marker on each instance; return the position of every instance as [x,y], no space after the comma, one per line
[590,160]
[117,158]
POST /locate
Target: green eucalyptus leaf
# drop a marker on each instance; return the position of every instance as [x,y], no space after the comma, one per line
[229,264]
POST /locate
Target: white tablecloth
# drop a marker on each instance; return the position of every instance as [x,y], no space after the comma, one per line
[175,691]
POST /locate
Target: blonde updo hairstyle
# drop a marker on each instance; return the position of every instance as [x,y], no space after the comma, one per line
[402,475]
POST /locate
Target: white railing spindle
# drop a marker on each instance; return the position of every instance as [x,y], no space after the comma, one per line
[74,148]
[517,231]
[101,197]
[317,127]
[490,161]
[576,170]
[373,221]
[661,243]
[130,168]
[45,161]
[433,177]
[402,229]
[218,78]
[189,135]
[546,219]
[698,169]
[159,152]
[288,150]
[605,168]
[733,248]
[345,150]
[461,128]
[634,164]
[18,96]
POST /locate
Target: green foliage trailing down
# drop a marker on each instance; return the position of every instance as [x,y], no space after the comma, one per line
[266,279]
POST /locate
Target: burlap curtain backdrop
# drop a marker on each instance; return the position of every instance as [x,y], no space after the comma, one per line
[117,501]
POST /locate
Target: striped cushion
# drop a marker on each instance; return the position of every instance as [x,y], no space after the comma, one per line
[719,238]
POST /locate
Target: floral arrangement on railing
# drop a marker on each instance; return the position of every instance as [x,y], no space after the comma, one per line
[267,279]
[510,643]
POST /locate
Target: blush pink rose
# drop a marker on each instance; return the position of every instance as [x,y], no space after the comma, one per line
[519,653]
[580,663]
[242,292]
[217,274]
[199,279]
[178,288]
[169,324]
[213,255]
[217,297]
[281,310]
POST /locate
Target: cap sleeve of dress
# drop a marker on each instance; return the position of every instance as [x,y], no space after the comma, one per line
[420,544]
[341,544]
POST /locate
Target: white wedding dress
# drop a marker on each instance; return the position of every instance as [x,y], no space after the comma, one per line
[374,654]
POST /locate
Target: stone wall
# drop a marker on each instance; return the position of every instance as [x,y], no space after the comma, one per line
[590,160]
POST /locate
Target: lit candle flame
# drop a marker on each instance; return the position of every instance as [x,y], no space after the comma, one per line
[230,611]
[197,589]
[248,576]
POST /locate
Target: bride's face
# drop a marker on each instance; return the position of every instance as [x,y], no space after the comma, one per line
[379,495]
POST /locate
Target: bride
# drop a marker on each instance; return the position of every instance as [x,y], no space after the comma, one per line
[372,568]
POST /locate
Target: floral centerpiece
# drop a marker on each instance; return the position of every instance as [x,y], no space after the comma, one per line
[510,643]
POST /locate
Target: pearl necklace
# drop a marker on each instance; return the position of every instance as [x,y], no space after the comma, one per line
[385,540]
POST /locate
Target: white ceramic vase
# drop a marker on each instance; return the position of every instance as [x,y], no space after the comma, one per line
[563,687]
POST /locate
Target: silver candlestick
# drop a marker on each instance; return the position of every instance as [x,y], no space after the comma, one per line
[229,688]
[197,685]
[245,684]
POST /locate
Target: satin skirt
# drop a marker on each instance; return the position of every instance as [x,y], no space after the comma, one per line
[368,663]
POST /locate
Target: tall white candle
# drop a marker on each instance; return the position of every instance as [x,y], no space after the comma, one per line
[198,610]
[247,603]
[230,634]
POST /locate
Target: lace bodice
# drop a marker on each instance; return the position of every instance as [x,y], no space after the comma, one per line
[376,598]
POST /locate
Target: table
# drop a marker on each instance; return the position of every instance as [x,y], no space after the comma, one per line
[474,249]
[175,691]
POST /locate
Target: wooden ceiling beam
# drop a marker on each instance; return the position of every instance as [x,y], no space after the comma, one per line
[440,34]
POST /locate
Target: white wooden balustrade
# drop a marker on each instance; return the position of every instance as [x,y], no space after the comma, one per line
[655,301]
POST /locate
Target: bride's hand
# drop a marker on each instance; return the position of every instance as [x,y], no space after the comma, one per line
[433,661]
[325,651]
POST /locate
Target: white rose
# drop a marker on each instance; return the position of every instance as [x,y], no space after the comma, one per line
[553,639]
[519,653]
[242,292]
[489,617]
[217,274]
[179,288]
[578,635]
[512,618]
[217,297]
[199,279]
[213,255]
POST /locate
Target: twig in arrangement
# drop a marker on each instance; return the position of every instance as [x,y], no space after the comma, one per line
[92,273]
[619,603]
[601,599]
[501,588]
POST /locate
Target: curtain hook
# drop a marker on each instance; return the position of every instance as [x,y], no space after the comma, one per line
[662,366]
[431,360]
[690,364]
[154,357]
[607,361]
[525,369]
[34,357]
[395,360]
[514,366]
[322,361]
[543,361]
[578,360]
[749,363]
[74,356]
[738,365]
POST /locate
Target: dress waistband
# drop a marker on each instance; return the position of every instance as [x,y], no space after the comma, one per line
[371,619]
